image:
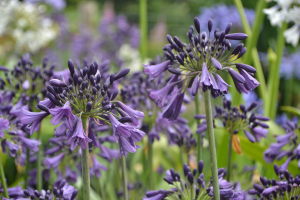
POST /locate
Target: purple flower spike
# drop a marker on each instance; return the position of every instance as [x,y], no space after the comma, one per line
[250,82]
[31,143]
[216,63]
[32,117]
[54,161]
[236,76]
[155,70]
[63,114]
[236,36]
[57,83]
[78,137]
[223,86]
[134,114]
[4,125]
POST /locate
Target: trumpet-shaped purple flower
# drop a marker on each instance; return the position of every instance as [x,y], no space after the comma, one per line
[78,136]
[119,129]
[4,125]
[126,146]
[156,70]
[54,161]
[134,114]
[172,110]
[250,82]
[63,114]
[30,143]
[160,95]
[95,169]
[13,148]
[33,118]
[109,154]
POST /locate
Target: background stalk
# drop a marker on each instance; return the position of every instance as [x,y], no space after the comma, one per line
[143,28]
[124,178]
[212,145]
[85,165]
[150,167]
[39,178]
[3,180]
[229,157]
[27,165]
[199,138]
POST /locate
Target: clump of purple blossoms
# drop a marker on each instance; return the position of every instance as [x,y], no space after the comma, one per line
[62,191]
[196,65]
[84,97]
[286,187]
[192,187]
[235,120]
[286,145]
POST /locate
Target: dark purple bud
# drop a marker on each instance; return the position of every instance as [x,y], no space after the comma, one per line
[2,68]
[263,180]
[228,27]
[197,24]
[210,25]
[178,58]
[37,194]
[236,76]
[114,94]
[167,47]
[71,67]
[122,73]
[169,38]
[92,69]
[252,106]
[84,71]
[52,99]
[96,66]
[243,108]
[220,171]
[262,118]
[250,137]
[152,193]
[194,172]
[62,184]
[236,36]
[75,79]
[222,35]
[57,83]
[237,49]
[190,177]
[111,79]
[247,68]
[89,106]
[125,120]
[243,51]
[92,80]
[174,71]
[199,116]
[107,107]
[258,188]
[200,166]
[79,81]
[26,193]
[261,124]
[43,108]
[185,169]
[98,78]
[216,63]
[276,169]
[178,42]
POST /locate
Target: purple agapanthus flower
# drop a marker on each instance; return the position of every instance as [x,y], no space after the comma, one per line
[4,125]
[134,114]
[34,119]
[63,114]
[31,143]
[96,167]
[54,161]
[155,70]
[78,136]
[109,154]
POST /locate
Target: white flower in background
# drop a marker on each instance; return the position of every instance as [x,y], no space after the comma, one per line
[131,58]
[24,27]
[286,11]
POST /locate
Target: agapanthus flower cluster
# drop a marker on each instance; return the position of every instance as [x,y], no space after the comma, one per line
[197,64]
[286,11]
[22,32]
[192,187]
[85,96]
[286,187]
[62,191]
[235,120]
[286,145]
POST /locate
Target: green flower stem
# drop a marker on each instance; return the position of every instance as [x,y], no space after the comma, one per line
[276,67]
[199,138]
[3,180]
[39,162]
[143,28]
[251,43]
[85,165]
[101,189]
[212,145]
[229,157]
[124,177]
[150,167]
[27,166]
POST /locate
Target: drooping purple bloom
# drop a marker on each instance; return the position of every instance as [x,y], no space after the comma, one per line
[30,143]
[223,86]
[95,169]
[48,103]
[172,110]
[160,95]
[155,70]
[13,148]
[250,82]
[78,136]
[126,146]
[4,125]
[109,154]
[134,114]
[63,114]
[205,78]
[119,129]
[259,132]
[54,161]
[35,118]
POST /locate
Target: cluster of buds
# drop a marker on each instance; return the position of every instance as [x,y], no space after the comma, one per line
[198,64]
[236,119]
[192,187]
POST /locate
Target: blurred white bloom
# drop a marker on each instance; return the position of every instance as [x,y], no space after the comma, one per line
[286,11]
[131,58]
[23,27]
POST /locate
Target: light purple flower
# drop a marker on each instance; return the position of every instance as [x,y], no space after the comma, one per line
[78,136]
[63,114]
[126,146]
[30,143]
[155,70]
[223,86]
[250,82]
[4,125]
[134,114]
[119,129]
[54,161]
[95,169]
[35,118]
[160,95]
[109,154]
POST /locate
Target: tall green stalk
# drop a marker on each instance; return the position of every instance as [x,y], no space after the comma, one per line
[212,145]
[199,138]
[124,178]
[229,157]
[150,167]
[85,165]
[3,180]
[27,166]
[39,178]
[143,28]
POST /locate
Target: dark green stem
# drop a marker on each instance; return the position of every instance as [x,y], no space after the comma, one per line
[150,167]
[27,166]
[229,157]
[199,137]
[143,28]
[212,145]
[39,178]
[85,165]
[124,178]
[102,190]
[3,180]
